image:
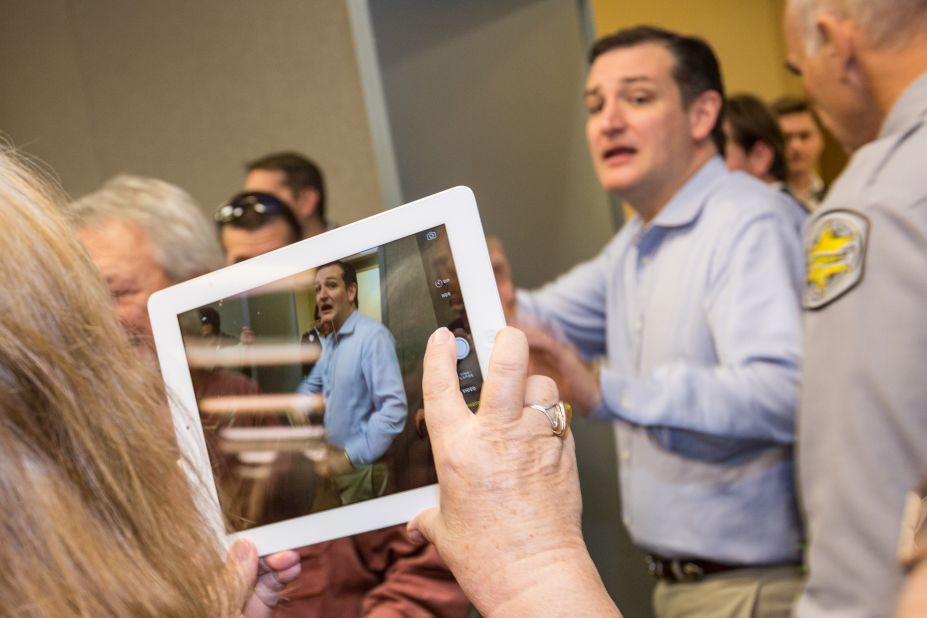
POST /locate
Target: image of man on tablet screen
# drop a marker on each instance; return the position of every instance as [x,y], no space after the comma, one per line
[358,375]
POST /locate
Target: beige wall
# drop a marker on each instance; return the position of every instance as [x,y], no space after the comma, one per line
[746,35]
[187,91]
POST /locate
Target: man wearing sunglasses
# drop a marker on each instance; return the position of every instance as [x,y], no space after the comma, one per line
[253,223]
[297,181]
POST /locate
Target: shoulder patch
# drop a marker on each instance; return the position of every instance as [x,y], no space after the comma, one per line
[835,253]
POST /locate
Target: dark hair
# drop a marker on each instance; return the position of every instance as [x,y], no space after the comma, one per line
[783,106]
[348,275]
[752,122]
[695,66]
[210,316]
[252,210]
[300,172]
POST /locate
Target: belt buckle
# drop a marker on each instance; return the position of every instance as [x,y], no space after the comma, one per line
[674,570]
[655,566]
[685,571]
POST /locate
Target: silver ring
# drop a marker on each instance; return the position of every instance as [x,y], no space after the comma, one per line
[558,415]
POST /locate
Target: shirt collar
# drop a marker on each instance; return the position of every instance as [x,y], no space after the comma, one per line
[688,202]
[912,104]
[817,184]
[348,327]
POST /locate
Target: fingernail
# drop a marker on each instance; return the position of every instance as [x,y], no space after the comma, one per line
[442,335]
[415,536]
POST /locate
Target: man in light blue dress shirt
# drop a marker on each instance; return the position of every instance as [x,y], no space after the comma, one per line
[358,374]
[695,306]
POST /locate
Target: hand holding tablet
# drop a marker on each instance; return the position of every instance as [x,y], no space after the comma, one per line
[380,286]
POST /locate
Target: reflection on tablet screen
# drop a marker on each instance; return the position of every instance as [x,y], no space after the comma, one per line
[309,389]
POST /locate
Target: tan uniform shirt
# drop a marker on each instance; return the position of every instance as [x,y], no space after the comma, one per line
[863,410]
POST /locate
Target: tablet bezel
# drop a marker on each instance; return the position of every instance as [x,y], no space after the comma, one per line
[455,209]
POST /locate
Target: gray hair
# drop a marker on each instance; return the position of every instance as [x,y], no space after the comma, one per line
[184,241]
[888,22]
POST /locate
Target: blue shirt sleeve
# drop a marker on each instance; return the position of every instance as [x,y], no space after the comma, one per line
[575,304]
[380,370]
[753,313]
[312,383]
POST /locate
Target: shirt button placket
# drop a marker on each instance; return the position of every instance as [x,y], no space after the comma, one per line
[623,445]
[643,261]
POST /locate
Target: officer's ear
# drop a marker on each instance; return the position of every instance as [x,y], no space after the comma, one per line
[838,41]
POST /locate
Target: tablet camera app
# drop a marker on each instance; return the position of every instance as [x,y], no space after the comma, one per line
[309,388]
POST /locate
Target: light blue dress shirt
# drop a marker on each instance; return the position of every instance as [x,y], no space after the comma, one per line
[365,403]
[698,314]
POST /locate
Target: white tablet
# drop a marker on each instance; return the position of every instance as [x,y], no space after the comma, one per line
[295,377]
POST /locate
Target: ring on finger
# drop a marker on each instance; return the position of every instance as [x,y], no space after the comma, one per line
[559,415]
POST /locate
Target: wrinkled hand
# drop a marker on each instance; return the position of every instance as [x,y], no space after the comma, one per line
[260,581]
[581,380]
[913,600]
[509,521]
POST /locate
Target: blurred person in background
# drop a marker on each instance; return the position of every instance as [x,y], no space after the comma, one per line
[143,235]
[804,143]
[254,223]
[297,181]
[753,141]
[754,145]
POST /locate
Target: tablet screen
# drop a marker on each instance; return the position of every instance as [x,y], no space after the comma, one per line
[309,388]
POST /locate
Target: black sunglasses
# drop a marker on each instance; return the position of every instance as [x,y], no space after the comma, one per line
[249,209]
[260,203]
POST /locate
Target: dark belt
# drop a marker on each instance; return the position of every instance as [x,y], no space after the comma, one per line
[676,570]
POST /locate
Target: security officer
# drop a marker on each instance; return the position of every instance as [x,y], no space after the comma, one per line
[863,412]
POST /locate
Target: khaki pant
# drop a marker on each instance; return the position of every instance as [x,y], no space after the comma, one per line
[743,593]
[362,483]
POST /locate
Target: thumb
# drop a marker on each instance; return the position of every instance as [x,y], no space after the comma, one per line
[242,562]
[422,528]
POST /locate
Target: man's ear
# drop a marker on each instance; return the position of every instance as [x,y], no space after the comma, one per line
[838,41]
[703,114]
[306,203]
[352,294]
[760,159]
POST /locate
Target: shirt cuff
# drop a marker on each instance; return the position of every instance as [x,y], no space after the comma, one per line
[304,388]
[355,451]
[612,386]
